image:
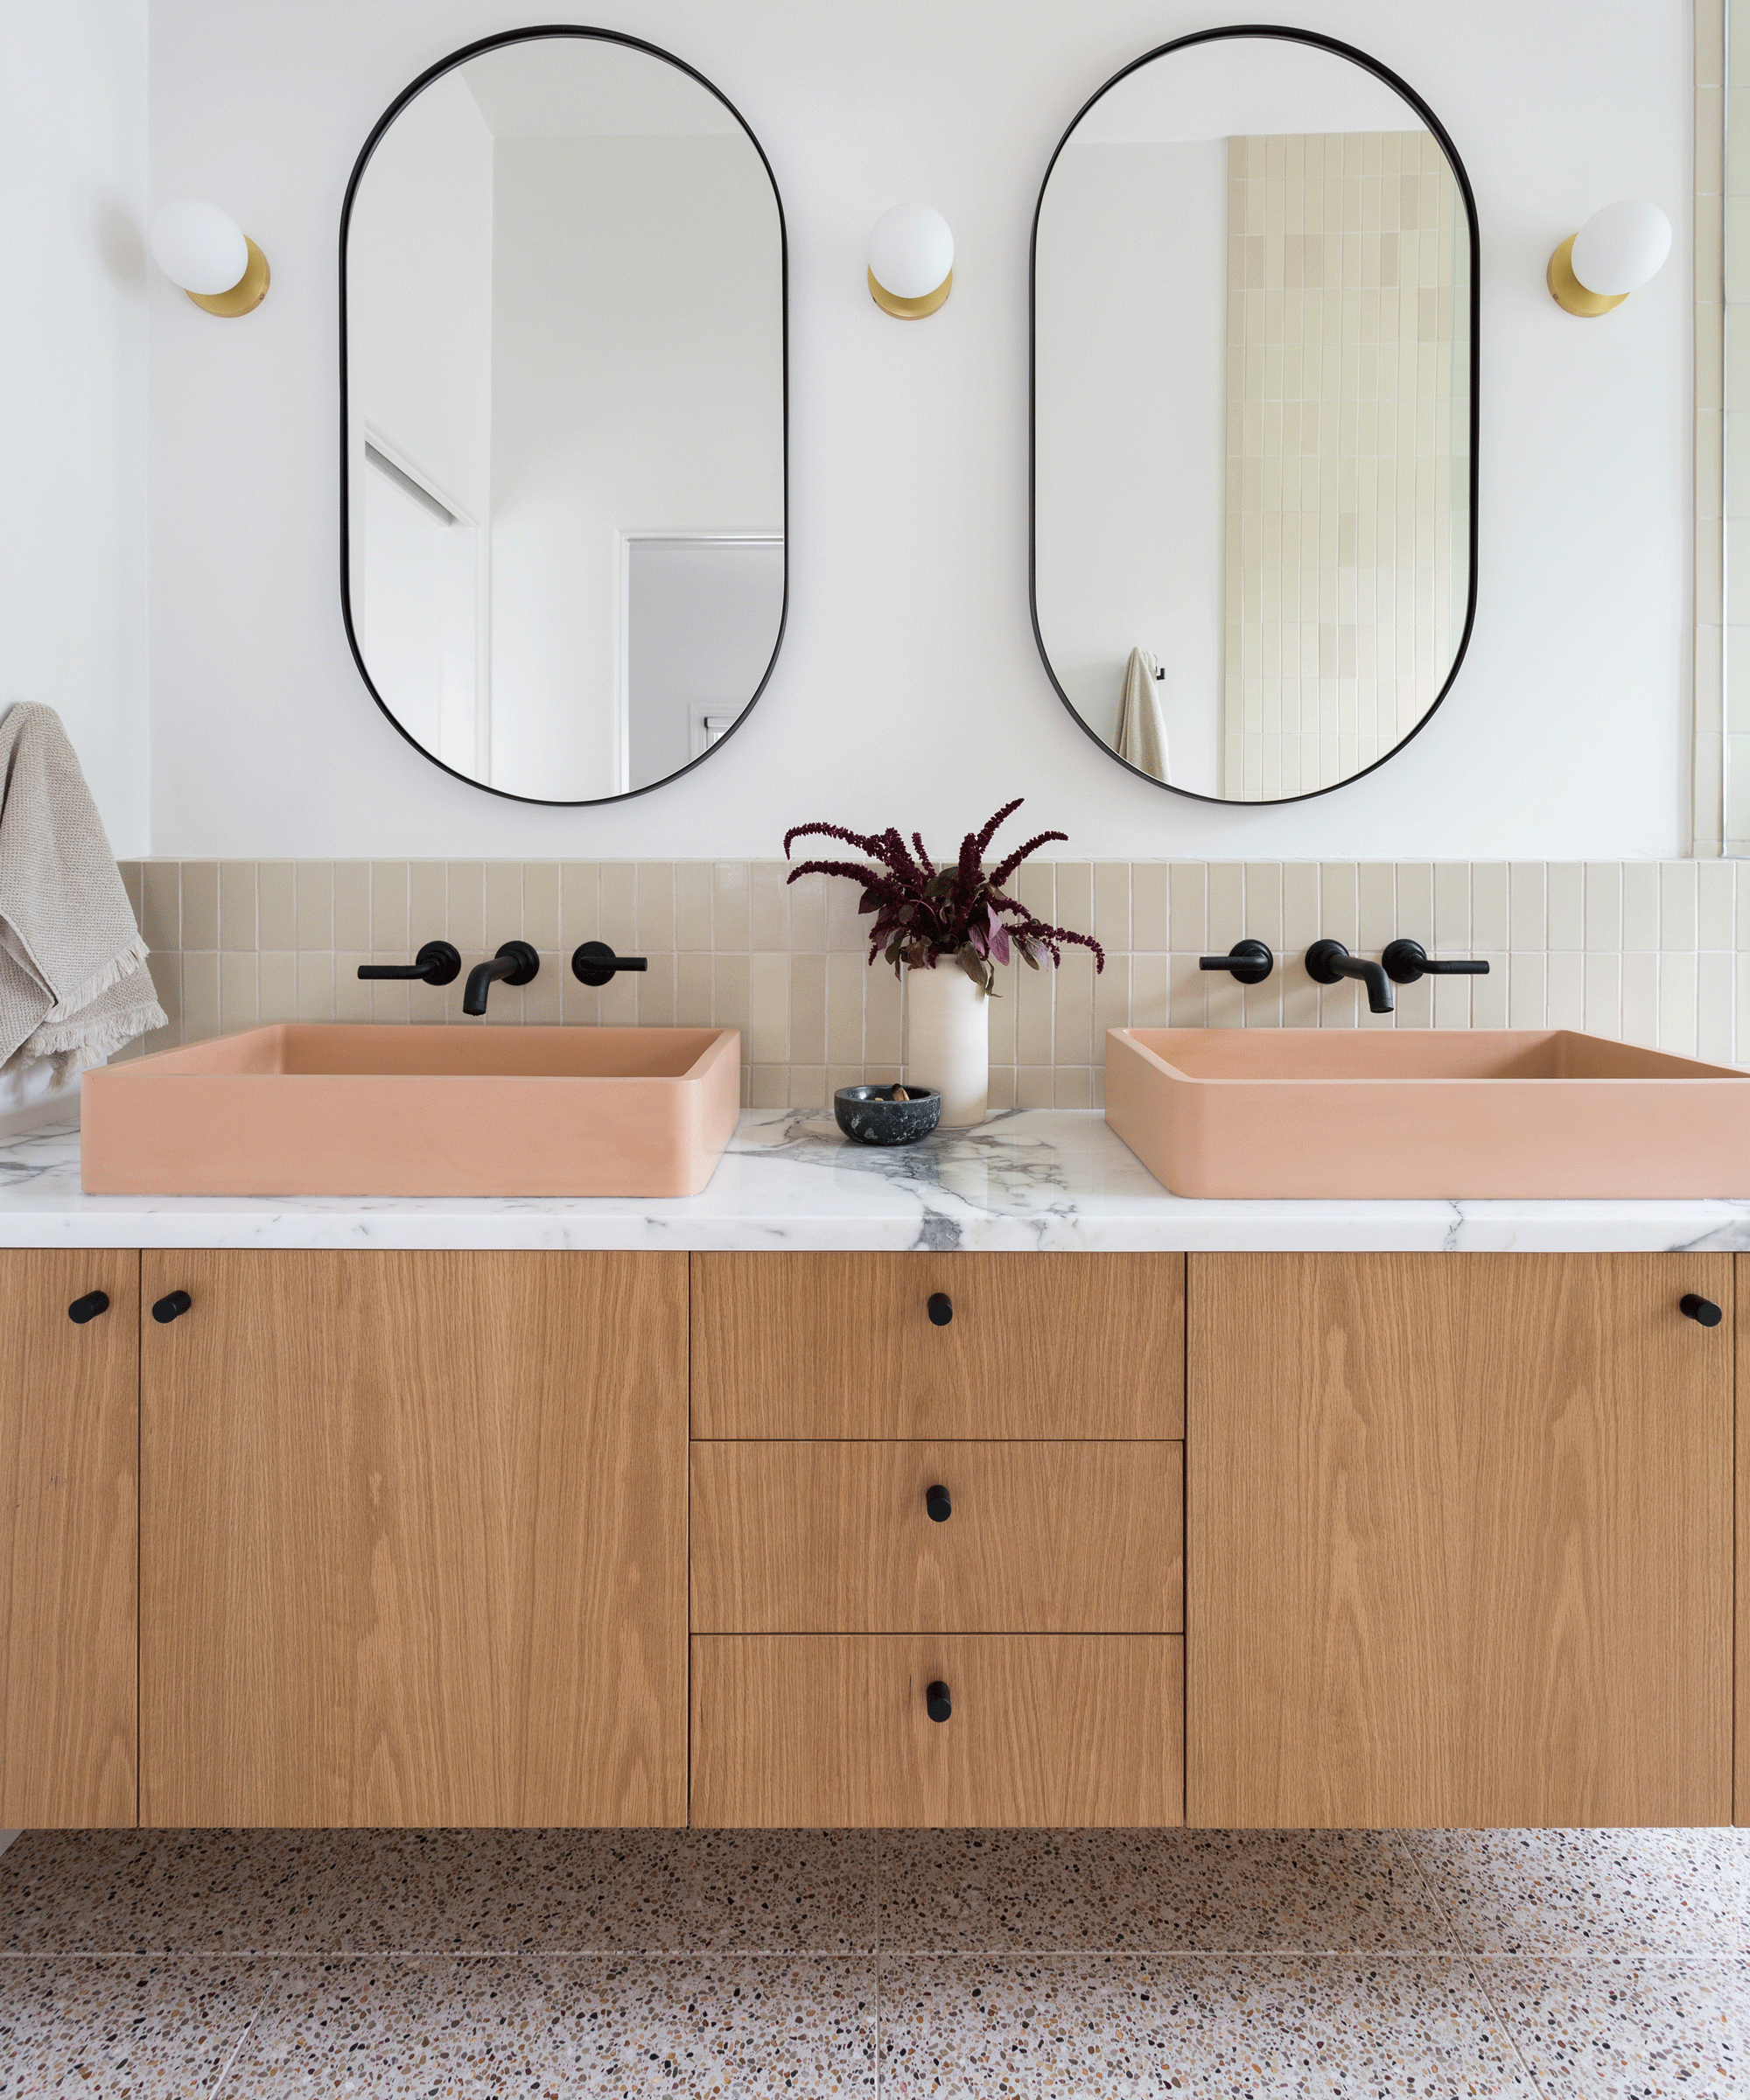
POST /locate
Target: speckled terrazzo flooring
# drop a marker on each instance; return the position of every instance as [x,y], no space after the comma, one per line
[563,1965]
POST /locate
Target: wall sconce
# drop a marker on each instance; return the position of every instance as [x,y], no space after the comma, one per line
[1617,251]
[210,256]
[911,262]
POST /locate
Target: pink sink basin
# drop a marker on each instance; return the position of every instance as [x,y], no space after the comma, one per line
[1458,1112]
[336,1111]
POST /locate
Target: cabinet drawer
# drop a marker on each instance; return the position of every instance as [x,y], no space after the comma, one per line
[844,1346]
[799,1538]
[1052,1731]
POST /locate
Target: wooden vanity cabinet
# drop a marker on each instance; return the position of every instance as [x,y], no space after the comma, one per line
[69,1509]
[1459,1534]
[413,1539]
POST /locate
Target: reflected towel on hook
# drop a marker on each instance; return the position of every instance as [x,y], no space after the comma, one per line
[1142,727]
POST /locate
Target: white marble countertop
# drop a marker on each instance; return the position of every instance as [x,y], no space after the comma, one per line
[1051,1180]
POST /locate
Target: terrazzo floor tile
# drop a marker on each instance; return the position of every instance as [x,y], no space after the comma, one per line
[749,1892]
[388,2029]
[1154,1890]
[1591,1892]
[1626,2029]
[1246,2027]
[144,2030]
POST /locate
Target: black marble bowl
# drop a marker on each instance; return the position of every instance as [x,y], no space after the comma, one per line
[871,1115]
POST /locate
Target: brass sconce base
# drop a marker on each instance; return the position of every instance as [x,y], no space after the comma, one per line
[245,295]
[1569,294]
[909,310]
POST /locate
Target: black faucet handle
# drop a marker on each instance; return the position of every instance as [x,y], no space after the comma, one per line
[594,962]
[1329,961]
[436,963]
[1406,961]
[1247,962]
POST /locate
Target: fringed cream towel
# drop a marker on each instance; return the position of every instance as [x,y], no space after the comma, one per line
[1142,727]
[73,981]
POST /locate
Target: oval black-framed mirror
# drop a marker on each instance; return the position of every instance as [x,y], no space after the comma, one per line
[564,416]
[1255,330]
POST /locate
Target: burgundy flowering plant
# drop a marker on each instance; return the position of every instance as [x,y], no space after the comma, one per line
[959,910]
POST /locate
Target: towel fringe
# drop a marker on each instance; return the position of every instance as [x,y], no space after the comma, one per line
[112,974]
[86,1041]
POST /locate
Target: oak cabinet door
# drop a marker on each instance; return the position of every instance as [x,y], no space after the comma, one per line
[1459,1540]
[69,1437]
[413,1539]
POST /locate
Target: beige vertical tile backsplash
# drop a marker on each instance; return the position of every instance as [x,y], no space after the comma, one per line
[1656,952]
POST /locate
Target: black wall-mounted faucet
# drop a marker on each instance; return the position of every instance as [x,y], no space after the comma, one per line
[436,963]
[1247,962]
[517,962]
[1406,961]
[1328,960]
[594,962]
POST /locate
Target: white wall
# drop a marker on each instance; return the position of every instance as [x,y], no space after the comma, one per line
[1567,734]
[73,387]
[1132,433]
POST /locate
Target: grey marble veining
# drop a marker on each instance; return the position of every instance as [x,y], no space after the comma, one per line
[1049,1180]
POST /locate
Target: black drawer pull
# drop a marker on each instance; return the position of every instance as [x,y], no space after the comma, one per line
[172,1307]
[939,1308]
[1703,1310]
[940,1503]
[937,1704]
[87,1307]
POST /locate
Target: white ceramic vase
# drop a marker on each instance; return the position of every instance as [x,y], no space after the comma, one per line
[948,1041]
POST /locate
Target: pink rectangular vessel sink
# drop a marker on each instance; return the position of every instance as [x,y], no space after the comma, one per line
[302,1109]
[1453,1112]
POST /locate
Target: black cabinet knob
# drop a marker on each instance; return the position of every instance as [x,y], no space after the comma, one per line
[1703,1310]
[172,1307]
[940,1308]
[937,1704]
[87,1307]
[940,1503]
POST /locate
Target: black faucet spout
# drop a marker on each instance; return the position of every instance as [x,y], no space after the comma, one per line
[1328,960]
[517,962]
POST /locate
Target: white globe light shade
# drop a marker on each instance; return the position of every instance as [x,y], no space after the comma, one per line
[199,248]
[911,251]
[1621,247]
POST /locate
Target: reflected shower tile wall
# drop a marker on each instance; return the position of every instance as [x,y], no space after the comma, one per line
[1657,953]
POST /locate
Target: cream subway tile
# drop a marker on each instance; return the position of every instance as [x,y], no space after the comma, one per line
[540,905]
[1564,891]
[807,915]
[845,975]
[1001,1017]
[1452,1000]
[843,1075]
[1035,1087]
[1640,907]
[692,885]
[1376,891]
[389,1000]
[1365,1018]
[1227,905]
[503,903]
[276,986]
[580,1004]
[275,910]
[847,929]
[617,905]
[389,886]
[166,974]
[1641,998]
[1527,907]
[465,881]
[1075,895]
[618,1001]
[1299,993]
[161,885]
[1713,903]
[1036,886]
[807,1010]
[729,994]
[1741,1009]
[1264,901]
[579,913]
[1149,920]
[353,905]
[315,985]
[1604,906]
[768,906]
[808,1087]
[768,1008]
[656,990]
[130,872]
[656,907]
[1002,1097]
[694,991]
[200,905]
[1035,1001]
[1339,1005]
[199,995]
[352,999]
[427,1003]
[883,1017]
[1415,912]
[1451,931]
[1710,43]
[1111,1000]
[1565,989]
[1678,895]
[1677,1002]
[1073,1087]
[1149,980]
[1740,870]
[1260,1004]
[1111,926]
[770,1086]
[1299,927]
[1226,1001]
[1073,1009]
[1713,1007]
[1526,986]
[730,906]
[747,1085]
[1339,901]
[428,904]
[1187,994]
[543,1001]
[237,931]
[1188,888]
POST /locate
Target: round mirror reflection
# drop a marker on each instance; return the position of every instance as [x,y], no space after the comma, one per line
[1254,333]
[562,336]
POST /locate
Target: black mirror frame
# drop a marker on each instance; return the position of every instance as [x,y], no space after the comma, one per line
[433,73]
[1384,73]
